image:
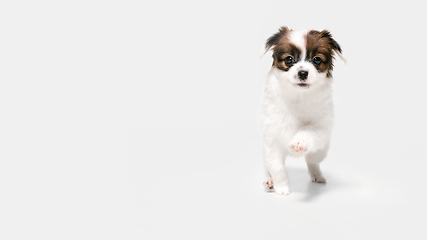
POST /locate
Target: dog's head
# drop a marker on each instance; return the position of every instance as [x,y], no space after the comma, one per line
[303,58]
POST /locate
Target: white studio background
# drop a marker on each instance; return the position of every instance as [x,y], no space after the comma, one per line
[138,120]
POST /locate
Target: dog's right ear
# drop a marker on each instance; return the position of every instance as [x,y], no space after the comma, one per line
[274,40]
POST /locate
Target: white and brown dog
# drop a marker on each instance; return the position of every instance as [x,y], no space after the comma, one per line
[297,108]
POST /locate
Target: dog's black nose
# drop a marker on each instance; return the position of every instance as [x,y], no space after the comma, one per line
[302,75]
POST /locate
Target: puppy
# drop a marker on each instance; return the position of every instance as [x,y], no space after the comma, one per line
[297,109]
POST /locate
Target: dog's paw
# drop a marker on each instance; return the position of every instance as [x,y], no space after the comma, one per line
[298,146]
[282,190]
[268,184]
[318,178]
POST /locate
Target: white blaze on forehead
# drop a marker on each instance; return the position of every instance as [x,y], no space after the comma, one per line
[299,39]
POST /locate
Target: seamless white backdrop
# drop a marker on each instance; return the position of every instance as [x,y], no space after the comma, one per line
[138,120]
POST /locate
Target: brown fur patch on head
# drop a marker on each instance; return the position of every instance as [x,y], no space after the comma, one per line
[322,45]
[285,54]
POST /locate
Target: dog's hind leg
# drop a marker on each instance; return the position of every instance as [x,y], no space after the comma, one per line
[313,160]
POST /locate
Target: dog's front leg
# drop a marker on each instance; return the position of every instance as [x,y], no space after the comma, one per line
[313,142]
[277,179]
[309,139]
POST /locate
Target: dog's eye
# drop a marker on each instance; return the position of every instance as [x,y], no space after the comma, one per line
[317,60]
[289,60]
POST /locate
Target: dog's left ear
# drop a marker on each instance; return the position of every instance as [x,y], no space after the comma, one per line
[333,44]
[274,40]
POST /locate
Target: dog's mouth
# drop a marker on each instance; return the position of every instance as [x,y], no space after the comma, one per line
[304,85]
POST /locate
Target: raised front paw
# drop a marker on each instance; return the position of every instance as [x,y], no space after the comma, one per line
[299,146]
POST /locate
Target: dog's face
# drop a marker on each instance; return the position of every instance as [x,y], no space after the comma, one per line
[304,58]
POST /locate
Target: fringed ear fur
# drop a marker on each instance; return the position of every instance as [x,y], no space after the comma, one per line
[334,45]
[342,57]
[274,40]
